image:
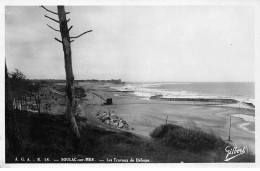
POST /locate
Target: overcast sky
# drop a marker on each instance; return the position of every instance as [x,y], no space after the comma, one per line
[136,43]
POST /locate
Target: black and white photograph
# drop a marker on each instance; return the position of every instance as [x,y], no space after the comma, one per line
[129,83]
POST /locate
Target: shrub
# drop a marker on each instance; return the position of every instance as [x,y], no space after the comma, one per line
[178,137]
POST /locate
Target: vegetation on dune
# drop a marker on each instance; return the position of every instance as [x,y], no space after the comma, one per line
[45,135]
[200,145]
[194,140]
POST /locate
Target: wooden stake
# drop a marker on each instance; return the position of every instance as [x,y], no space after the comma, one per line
[229,130]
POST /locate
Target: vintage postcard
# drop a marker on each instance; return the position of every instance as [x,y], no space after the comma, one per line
[129,82]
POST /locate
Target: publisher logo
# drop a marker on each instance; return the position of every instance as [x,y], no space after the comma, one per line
[233,152]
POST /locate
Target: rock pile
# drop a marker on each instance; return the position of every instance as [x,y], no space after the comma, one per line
[78,109]
[113,119]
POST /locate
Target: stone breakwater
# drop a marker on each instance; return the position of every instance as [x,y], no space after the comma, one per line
[220,100]
[113,120]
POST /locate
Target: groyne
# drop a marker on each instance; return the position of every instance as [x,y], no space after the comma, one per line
[216,100]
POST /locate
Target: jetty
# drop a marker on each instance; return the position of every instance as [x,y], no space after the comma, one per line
[216,100]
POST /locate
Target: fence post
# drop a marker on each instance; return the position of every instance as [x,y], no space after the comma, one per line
[229,130]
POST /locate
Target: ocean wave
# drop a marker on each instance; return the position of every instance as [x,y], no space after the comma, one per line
[145,91]
[159,84]
[246,118]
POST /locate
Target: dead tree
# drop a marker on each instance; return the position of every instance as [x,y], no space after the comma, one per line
[66,44]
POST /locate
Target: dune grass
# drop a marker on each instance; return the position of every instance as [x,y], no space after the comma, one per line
[194,140]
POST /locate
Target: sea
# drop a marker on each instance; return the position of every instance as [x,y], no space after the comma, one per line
[242,91]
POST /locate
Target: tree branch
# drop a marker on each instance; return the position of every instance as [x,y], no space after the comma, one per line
[58,40]
[80,34]
[51,18]
[67,13]
[53,28]
[71,41]
[70,27]
[49,10]
[68,20]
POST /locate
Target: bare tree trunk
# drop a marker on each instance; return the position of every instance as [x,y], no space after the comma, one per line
[26,102]
[70,94]
[38,102]
[12,136]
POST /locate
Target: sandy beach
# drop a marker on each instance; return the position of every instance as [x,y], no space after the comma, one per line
[144,115]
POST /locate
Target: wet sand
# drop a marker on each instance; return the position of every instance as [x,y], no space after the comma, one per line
[144,115]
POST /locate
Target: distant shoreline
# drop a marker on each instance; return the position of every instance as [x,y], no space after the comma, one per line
[144,114]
